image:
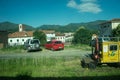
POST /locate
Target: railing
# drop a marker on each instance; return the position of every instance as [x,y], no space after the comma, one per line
[104,39]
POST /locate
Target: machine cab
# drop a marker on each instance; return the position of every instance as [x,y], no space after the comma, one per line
[107,49]
[110,52]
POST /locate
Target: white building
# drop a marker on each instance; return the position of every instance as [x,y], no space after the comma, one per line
[68,37]
[60,37]
[107,27]
[64,37]
[18,38]
[50,34]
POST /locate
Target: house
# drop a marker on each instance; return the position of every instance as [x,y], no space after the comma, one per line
[68,37]
[107,27]
[3,39]
[50,34]
[64,37]
[60,37]
[18,38]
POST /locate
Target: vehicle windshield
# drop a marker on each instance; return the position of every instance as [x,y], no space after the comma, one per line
[58,42]
[34,42]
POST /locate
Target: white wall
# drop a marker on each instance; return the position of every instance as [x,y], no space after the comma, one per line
[50,36]
[18,41]
[60,38]
[69,39]
[115,24]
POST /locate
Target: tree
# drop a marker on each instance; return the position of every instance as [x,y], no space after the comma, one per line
[116,31]
[82,36]
[41,36]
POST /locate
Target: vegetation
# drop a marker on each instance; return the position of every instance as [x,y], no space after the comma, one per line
[20,49]
[116,31]
[57,66]
[83,36]
[79,46]
[68,66]
[72,27]
[12,27]
[12,49]
[41,36]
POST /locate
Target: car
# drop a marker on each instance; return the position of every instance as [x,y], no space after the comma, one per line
[54,45]
[32,45]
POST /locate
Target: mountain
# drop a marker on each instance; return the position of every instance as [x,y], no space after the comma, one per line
[73,26]
[12,27]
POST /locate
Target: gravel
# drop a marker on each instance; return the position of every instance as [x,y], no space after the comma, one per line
[46,53]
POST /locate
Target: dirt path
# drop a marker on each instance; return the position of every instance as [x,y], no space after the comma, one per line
[47,53]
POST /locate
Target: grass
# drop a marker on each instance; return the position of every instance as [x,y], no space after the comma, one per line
[11,49]
[51,67]
[79,46]
[20,49]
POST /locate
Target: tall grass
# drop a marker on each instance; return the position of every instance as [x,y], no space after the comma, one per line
[78,46]
[51,67]
[12,49]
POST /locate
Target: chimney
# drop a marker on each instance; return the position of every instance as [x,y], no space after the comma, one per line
[21,28]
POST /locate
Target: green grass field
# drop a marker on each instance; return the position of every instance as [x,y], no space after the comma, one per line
[55,64]
[52,67]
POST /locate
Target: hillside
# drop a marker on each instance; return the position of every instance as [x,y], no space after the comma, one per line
[72,26]
[12,27]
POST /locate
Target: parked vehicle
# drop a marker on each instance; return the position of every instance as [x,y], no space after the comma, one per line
[32,44]
[54,45]
[104,51]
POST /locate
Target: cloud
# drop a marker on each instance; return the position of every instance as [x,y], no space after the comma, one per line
[85,6]
[88,0]
[72,4]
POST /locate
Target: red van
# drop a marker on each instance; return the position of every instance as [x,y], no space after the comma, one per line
[54,45]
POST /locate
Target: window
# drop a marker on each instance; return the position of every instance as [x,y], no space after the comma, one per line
[17,40]
[58,42]
[113,47]
[23,40]
[34,41]
[105,26]
[10,40]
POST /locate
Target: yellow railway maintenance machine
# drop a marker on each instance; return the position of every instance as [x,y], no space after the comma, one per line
[105,50]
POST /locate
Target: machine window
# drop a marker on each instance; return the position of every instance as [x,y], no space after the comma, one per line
[113,47]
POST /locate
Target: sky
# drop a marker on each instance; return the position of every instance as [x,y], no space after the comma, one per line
[57,12]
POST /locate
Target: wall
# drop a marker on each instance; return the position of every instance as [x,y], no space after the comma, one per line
[106,28]
[3,39]
[50,36]
[115,24]
[60,38]
[18,41]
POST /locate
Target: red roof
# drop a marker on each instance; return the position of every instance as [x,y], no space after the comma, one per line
[21,34]
[59,34]
[48,31]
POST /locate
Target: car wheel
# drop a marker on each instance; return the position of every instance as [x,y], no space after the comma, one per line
[83,64]
[52,49]
[28,49]
[91,65]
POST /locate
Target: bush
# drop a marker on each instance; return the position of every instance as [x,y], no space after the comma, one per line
[12,49]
